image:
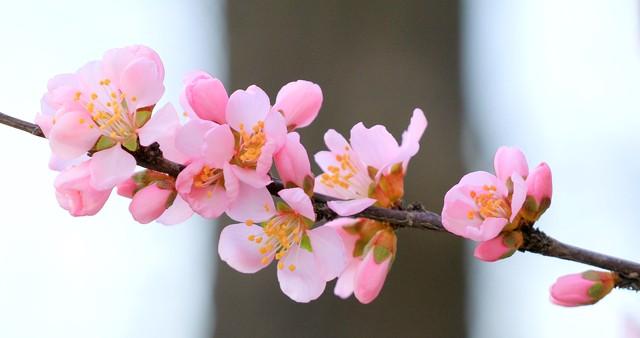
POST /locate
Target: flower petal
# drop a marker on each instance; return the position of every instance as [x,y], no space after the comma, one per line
[375,146]
[235,248]
[178,212]
[246,107]
[110,167]
[300,277]
[218,146]
[149,203]
[350,207]
[329,251]
[141,79]
[164,119]
[509,160]
[190,137]
[344,285]
[298,201]
[519,195]
[251,177]
[73,134]
[253,204]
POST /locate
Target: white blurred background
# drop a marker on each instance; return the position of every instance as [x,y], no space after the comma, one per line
[560,80]
[104,276]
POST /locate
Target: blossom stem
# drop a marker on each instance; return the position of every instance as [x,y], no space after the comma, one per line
[413,217]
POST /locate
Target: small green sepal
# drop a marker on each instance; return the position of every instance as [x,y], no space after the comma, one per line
[142,117]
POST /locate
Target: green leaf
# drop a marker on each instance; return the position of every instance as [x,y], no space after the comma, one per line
[131,143]
[380,254]
[142,117]
[305,243]
[104,142]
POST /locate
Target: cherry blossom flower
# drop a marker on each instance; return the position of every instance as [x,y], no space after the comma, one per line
[299,102]
[483,204]
[75,193]
[259,132]
[582,289]
[102,107]
[307,257]
[208,183]
[371,247]
[368,170]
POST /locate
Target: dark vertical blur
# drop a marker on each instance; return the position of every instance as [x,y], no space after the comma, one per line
[375,61]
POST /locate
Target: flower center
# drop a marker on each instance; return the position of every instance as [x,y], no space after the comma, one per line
[208,176]
[489,204]
[250,144]
[109,108]
[340,175]
[280,234]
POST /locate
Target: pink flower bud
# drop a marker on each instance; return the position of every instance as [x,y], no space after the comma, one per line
[370,277]
[373,270]
[75,193]
[539,185]
[150,202]
[127,188]
[292,162]
[299,102]
[206,96]
[509,161]
[582,289]
[499,247]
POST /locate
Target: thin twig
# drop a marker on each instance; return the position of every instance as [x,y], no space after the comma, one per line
[414,217]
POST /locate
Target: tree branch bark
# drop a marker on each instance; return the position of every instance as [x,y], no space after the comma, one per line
[413,217]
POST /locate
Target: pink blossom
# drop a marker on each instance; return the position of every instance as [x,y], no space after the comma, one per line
[582,289]
[75,193]
[154,198]
[371,247]
[204,97]
[102,107]
[150,202]
[307,257]
[370,169]
[482,204]
[299,102]
[260,133]
[293,164]
[539,185]
[208,183]
[499,247]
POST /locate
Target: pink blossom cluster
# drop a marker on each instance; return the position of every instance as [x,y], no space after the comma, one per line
[99,117]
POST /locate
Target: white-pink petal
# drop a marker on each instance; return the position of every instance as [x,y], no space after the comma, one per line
[73,134]
[519,195]
[190,137]
[162,121]
[298,201]
[177,213]
[300,278]
[253,204]
[329,251]
[246,107]
[218,146]
[235,248]
[375,146]
[510,160]
[350,207]
[344,284]
[110,167]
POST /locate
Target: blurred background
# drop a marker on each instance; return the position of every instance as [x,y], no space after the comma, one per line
[559,79]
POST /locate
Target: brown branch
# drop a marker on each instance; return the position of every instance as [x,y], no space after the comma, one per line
[412,217]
